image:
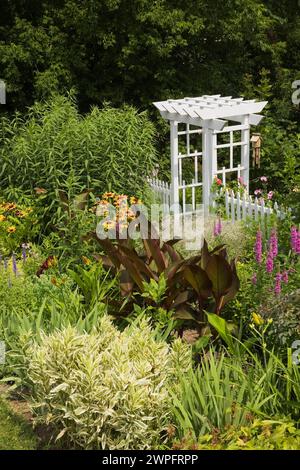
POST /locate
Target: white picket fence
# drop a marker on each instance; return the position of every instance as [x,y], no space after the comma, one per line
[240,207]
[161,190]
[237,206]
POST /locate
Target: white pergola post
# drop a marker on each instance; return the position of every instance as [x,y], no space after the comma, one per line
[174,166]
[207,149]
[245,152]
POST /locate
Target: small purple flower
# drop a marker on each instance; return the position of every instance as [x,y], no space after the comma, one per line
[24,253]
[270,195]
[294,239]
[264,179]
[217,227]
[254,279]
[277,288]
[269,263]
[258,247]
[14,264]
[298,243]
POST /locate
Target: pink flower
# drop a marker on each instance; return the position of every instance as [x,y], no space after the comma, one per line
[217,227]
[269,263]
[277,288]
[257,192]
[285,277]
[273,243]
[258,247]
[264,179]
[294,239]
[216,231]
[270,195]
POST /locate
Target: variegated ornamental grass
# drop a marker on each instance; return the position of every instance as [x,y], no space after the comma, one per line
[107,389]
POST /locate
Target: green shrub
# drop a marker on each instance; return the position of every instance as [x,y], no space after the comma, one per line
[54,147]
[285,315]
[106,389]
[259,435]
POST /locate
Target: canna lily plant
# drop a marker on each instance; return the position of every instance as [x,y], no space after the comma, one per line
[205,282]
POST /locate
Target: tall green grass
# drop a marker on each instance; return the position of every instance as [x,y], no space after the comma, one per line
[229,391]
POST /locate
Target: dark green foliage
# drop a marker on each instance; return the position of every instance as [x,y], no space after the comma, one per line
[137,51]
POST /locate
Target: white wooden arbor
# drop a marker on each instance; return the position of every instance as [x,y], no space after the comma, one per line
[208,116]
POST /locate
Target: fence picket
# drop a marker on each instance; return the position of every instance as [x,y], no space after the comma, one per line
[232,201]
[237,206]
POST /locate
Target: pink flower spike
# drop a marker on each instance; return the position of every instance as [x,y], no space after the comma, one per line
[273,243]
[294,239]
[285,277]
[216,230]
[258,247]
[277,288]
[269,263]
[219,226]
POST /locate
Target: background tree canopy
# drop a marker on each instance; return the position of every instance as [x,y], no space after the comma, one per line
[136,52]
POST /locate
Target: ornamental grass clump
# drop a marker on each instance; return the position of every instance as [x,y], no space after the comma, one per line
[107,389]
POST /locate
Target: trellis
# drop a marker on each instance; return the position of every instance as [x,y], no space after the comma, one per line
[208,116]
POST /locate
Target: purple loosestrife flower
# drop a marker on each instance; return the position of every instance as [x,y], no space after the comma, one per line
[294,239]
[258,247]
[277,288]
[285,277]
[269,263]
[273,243]
[14,264]
[298,243]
